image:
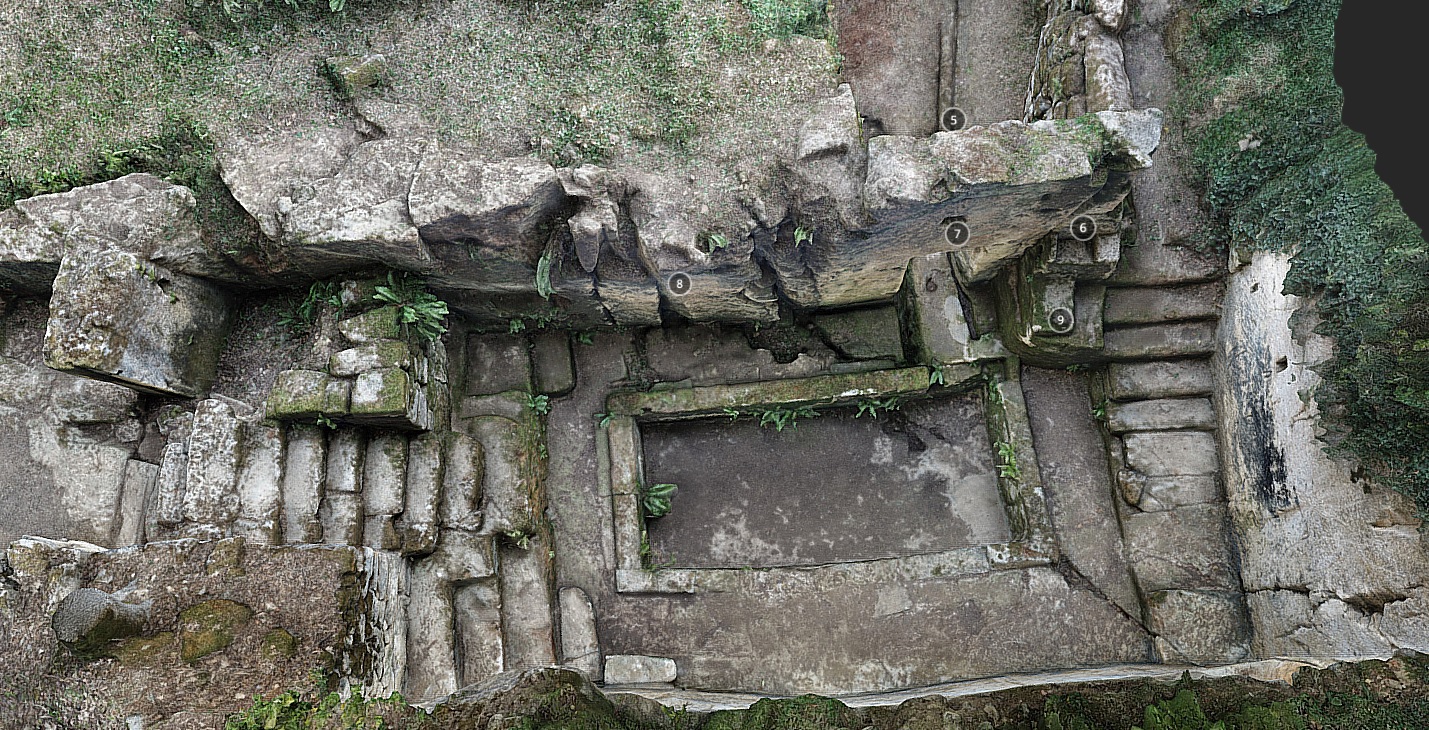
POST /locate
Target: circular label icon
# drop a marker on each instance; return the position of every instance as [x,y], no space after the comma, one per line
[957,233]
[679,283]
[1083,228]
[953,119]
[1060,320]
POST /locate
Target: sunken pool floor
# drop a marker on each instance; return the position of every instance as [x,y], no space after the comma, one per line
[835,488]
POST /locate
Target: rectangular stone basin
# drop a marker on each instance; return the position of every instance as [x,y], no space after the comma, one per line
[836,488]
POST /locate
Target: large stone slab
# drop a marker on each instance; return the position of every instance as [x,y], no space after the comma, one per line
[359,216]
[260,170]
[1184,548]
[116,317]
[1199,627]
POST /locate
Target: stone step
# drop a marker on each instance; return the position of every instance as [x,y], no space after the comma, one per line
[1151,305]
[1161,415]
[1158,494]
[1171,453]
[477,609]
[580,649]
[1160,341]
[1199,627]
[1165,379]
[1183,548]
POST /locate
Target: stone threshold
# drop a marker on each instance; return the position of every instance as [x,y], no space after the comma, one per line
[1265,670]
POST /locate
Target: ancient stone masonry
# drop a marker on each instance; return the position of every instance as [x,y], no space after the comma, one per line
[933,405]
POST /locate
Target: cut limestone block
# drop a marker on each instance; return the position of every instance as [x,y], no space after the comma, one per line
[636,669]
[424,494]
[139,478]
[1171,453]
[380,532]
[259,499]
[937,326]
[1161,414]
[345,452]
[1163,304]
[551,359]
[211,483]
[465,463]
[580,649]
[375,355]
[384,475]
[303,395]
[341,518]
[506,497]
[1183,548]
[303,471]
[390,398]
[1199,627]
[372,326]
[261,170]
[116,317]
[1154,342]
[1162,379]
[496,363]
[863,334]
[478,631]
[1156,494]
[165,505]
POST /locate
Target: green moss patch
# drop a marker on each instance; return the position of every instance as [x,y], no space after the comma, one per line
[1259,105]
[209,627]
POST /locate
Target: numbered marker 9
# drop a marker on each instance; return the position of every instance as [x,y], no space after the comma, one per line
[957,233]
[679,283]
[953,119]
[1083,228]
[1060,320]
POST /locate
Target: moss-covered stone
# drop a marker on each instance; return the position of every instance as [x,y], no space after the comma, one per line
[350,75]
[371,356]
[209,627]
[382,323]
[278,644]
[863,334]
[144,651]
[301,395]
[823,389]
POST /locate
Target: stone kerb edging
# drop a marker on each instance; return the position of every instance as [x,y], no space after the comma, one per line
[1032,542]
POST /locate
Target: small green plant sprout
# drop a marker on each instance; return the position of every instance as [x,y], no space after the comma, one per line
[937,375]
[1099,411]
[716,241]
[416,307]
[655,499]
[516,325]
[603,419]
[1076,367]
[803,236]
[541,404]
[872,406]
[1007,461]
[543,276]
[733,413]
[325,422]
[585,338]
[520,537]
[302,314]
[780,417]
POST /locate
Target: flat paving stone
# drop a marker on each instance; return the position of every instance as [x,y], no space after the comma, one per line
[831,488]
[1163,379]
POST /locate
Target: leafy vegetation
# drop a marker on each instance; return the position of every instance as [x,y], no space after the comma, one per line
[779,417]
[417,308]
[540,404]
[1007,461]
[872,406]
[655,499]
[293,711]
[543,276]
[301,313]
[1260,106]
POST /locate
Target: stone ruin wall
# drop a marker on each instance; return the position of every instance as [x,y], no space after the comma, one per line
[420,515]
